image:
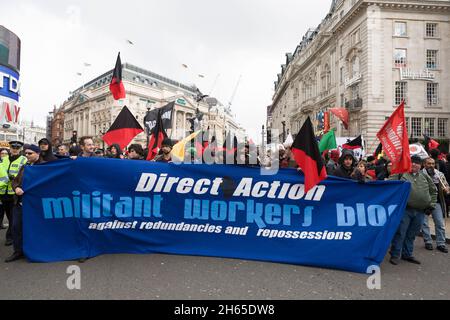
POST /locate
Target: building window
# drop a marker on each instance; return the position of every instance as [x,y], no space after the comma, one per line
[432,94]
[355,92]
[355,66]
[400,58]
[342,75]
[355,38]
[400,29]
[431,30]
[401,90]
[442,127]
[432,59]
[416,127]
[341,50]
[407,124]
[429,126]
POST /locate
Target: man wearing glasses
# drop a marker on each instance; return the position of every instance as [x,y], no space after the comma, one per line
[32,155]
[10,167]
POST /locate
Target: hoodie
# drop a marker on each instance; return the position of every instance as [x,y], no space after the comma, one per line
[341,170]
[47,156]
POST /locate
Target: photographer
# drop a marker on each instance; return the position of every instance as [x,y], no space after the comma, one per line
[439,211]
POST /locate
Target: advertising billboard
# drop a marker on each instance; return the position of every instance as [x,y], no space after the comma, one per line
[9,78]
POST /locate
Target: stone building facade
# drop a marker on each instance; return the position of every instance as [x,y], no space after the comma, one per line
[367,56]
[91,109]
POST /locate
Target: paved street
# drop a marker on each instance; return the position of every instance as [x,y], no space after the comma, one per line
[188,277]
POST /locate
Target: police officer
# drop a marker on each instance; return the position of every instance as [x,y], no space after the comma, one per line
[10,167]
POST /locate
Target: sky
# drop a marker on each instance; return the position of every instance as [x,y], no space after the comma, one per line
[223,40]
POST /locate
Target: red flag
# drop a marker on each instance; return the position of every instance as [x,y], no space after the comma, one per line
[394,138]
[326,120]
[342,114]
[157,136]
[123,130]
[430,144]
[116,86]
[307,155]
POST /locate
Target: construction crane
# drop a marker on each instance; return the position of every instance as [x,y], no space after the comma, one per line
[234,94]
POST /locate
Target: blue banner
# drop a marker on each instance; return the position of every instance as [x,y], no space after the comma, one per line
[88,207]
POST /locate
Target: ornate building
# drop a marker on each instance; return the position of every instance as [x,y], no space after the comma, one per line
[91,109]
[367,56]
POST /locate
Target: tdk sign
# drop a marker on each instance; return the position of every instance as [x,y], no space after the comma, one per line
[9,83]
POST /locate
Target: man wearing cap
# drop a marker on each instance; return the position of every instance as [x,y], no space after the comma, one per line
[166,148]
[32,153]
[46,150]
[10,169]
[422,200]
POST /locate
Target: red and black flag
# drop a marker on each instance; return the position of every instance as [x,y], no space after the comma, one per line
[123,130]
[307,155]
[430,144]
[116,86]
[158,134]
[378,151]
[229,148]
[354,144]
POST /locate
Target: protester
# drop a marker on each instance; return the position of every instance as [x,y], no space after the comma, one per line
[46,153]
[381,169]
[116,151]
[135,152]
[422,200]
[62,151]
[439,211]
[32,153]
[440,164]
[87,148]
[360,172]
[9,169]
[166,149]
[74,151]
[347,163]
[333,163]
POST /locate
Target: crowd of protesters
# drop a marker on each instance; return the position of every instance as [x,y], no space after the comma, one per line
[429,195]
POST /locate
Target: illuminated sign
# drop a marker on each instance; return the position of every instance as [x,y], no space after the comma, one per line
[9,96]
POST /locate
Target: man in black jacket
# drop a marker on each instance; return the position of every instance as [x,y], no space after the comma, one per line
[46,150]
[32,154]
[347,163]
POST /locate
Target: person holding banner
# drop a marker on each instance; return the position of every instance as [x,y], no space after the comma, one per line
[32,153]
[347,163]
[422,200]
[136,152]
[166,148]
[87,148]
